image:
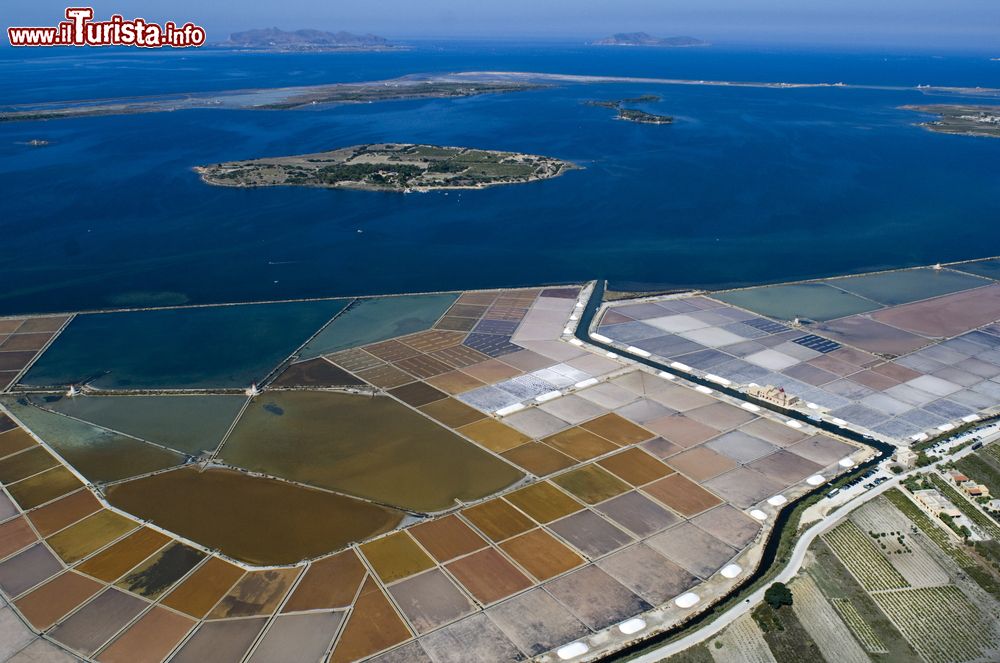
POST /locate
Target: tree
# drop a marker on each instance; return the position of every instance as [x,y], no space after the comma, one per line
[923,460]
[778,595]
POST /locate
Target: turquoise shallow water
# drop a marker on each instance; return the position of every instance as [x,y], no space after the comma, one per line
[894,288]
[750,185]
[220,347]
[835,298]
[97,454]
[190,424]
[372,320]
[987,268]
[813,301]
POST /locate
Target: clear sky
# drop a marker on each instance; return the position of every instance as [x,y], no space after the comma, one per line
[923,24]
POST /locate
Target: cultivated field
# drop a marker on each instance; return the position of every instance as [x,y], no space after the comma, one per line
[861,629]
[824,625]
[742,642]
[941,623]
[891,533]
[966,558]
[862,558]
[932,530]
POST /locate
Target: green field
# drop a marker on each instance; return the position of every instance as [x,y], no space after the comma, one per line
[983,467]
[861,629]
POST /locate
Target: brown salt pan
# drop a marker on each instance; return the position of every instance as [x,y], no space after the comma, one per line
[149,640]
[257,593]
[329,583]
[488,576]
[15,440]
[451,413]
[45,605]
[396,556]
[111,563]
[617,429]
[14,535]
[24,464]
[580,443]
[538,458]
[44,487]
[497,519]
[64,512]
[635,466]
[202,589]
[372,627]
[541,554]
[90,534]
[227,510]
[447,538]
[591,484]
[494,435]
[543,502]
[682,495]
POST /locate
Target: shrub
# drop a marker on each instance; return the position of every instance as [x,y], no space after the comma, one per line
[778,595]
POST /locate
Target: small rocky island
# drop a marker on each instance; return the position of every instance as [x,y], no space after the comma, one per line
[632,114]
[389,167]
[963,120]
[646,39]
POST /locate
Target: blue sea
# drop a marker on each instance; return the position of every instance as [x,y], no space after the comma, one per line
[750,185]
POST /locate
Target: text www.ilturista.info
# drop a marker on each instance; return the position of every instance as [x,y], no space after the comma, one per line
[79,29]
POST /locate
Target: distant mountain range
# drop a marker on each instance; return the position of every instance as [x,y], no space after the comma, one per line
[646,39]
[273,39]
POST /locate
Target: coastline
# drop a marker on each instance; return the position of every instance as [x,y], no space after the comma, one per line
[412,86]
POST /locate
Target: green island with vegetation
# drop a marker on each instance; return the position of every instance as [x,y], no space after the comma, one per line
[633,114]
[962,120]
[389,167]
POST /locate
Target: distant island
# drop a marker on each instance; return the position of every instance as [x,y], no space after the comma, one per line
[962,120]
[274,39]
[401,167]
[646,39]
[642,117]
[632,114]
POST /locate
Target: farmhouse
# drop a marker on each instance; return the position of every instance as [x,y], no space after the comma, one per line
[936,503]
